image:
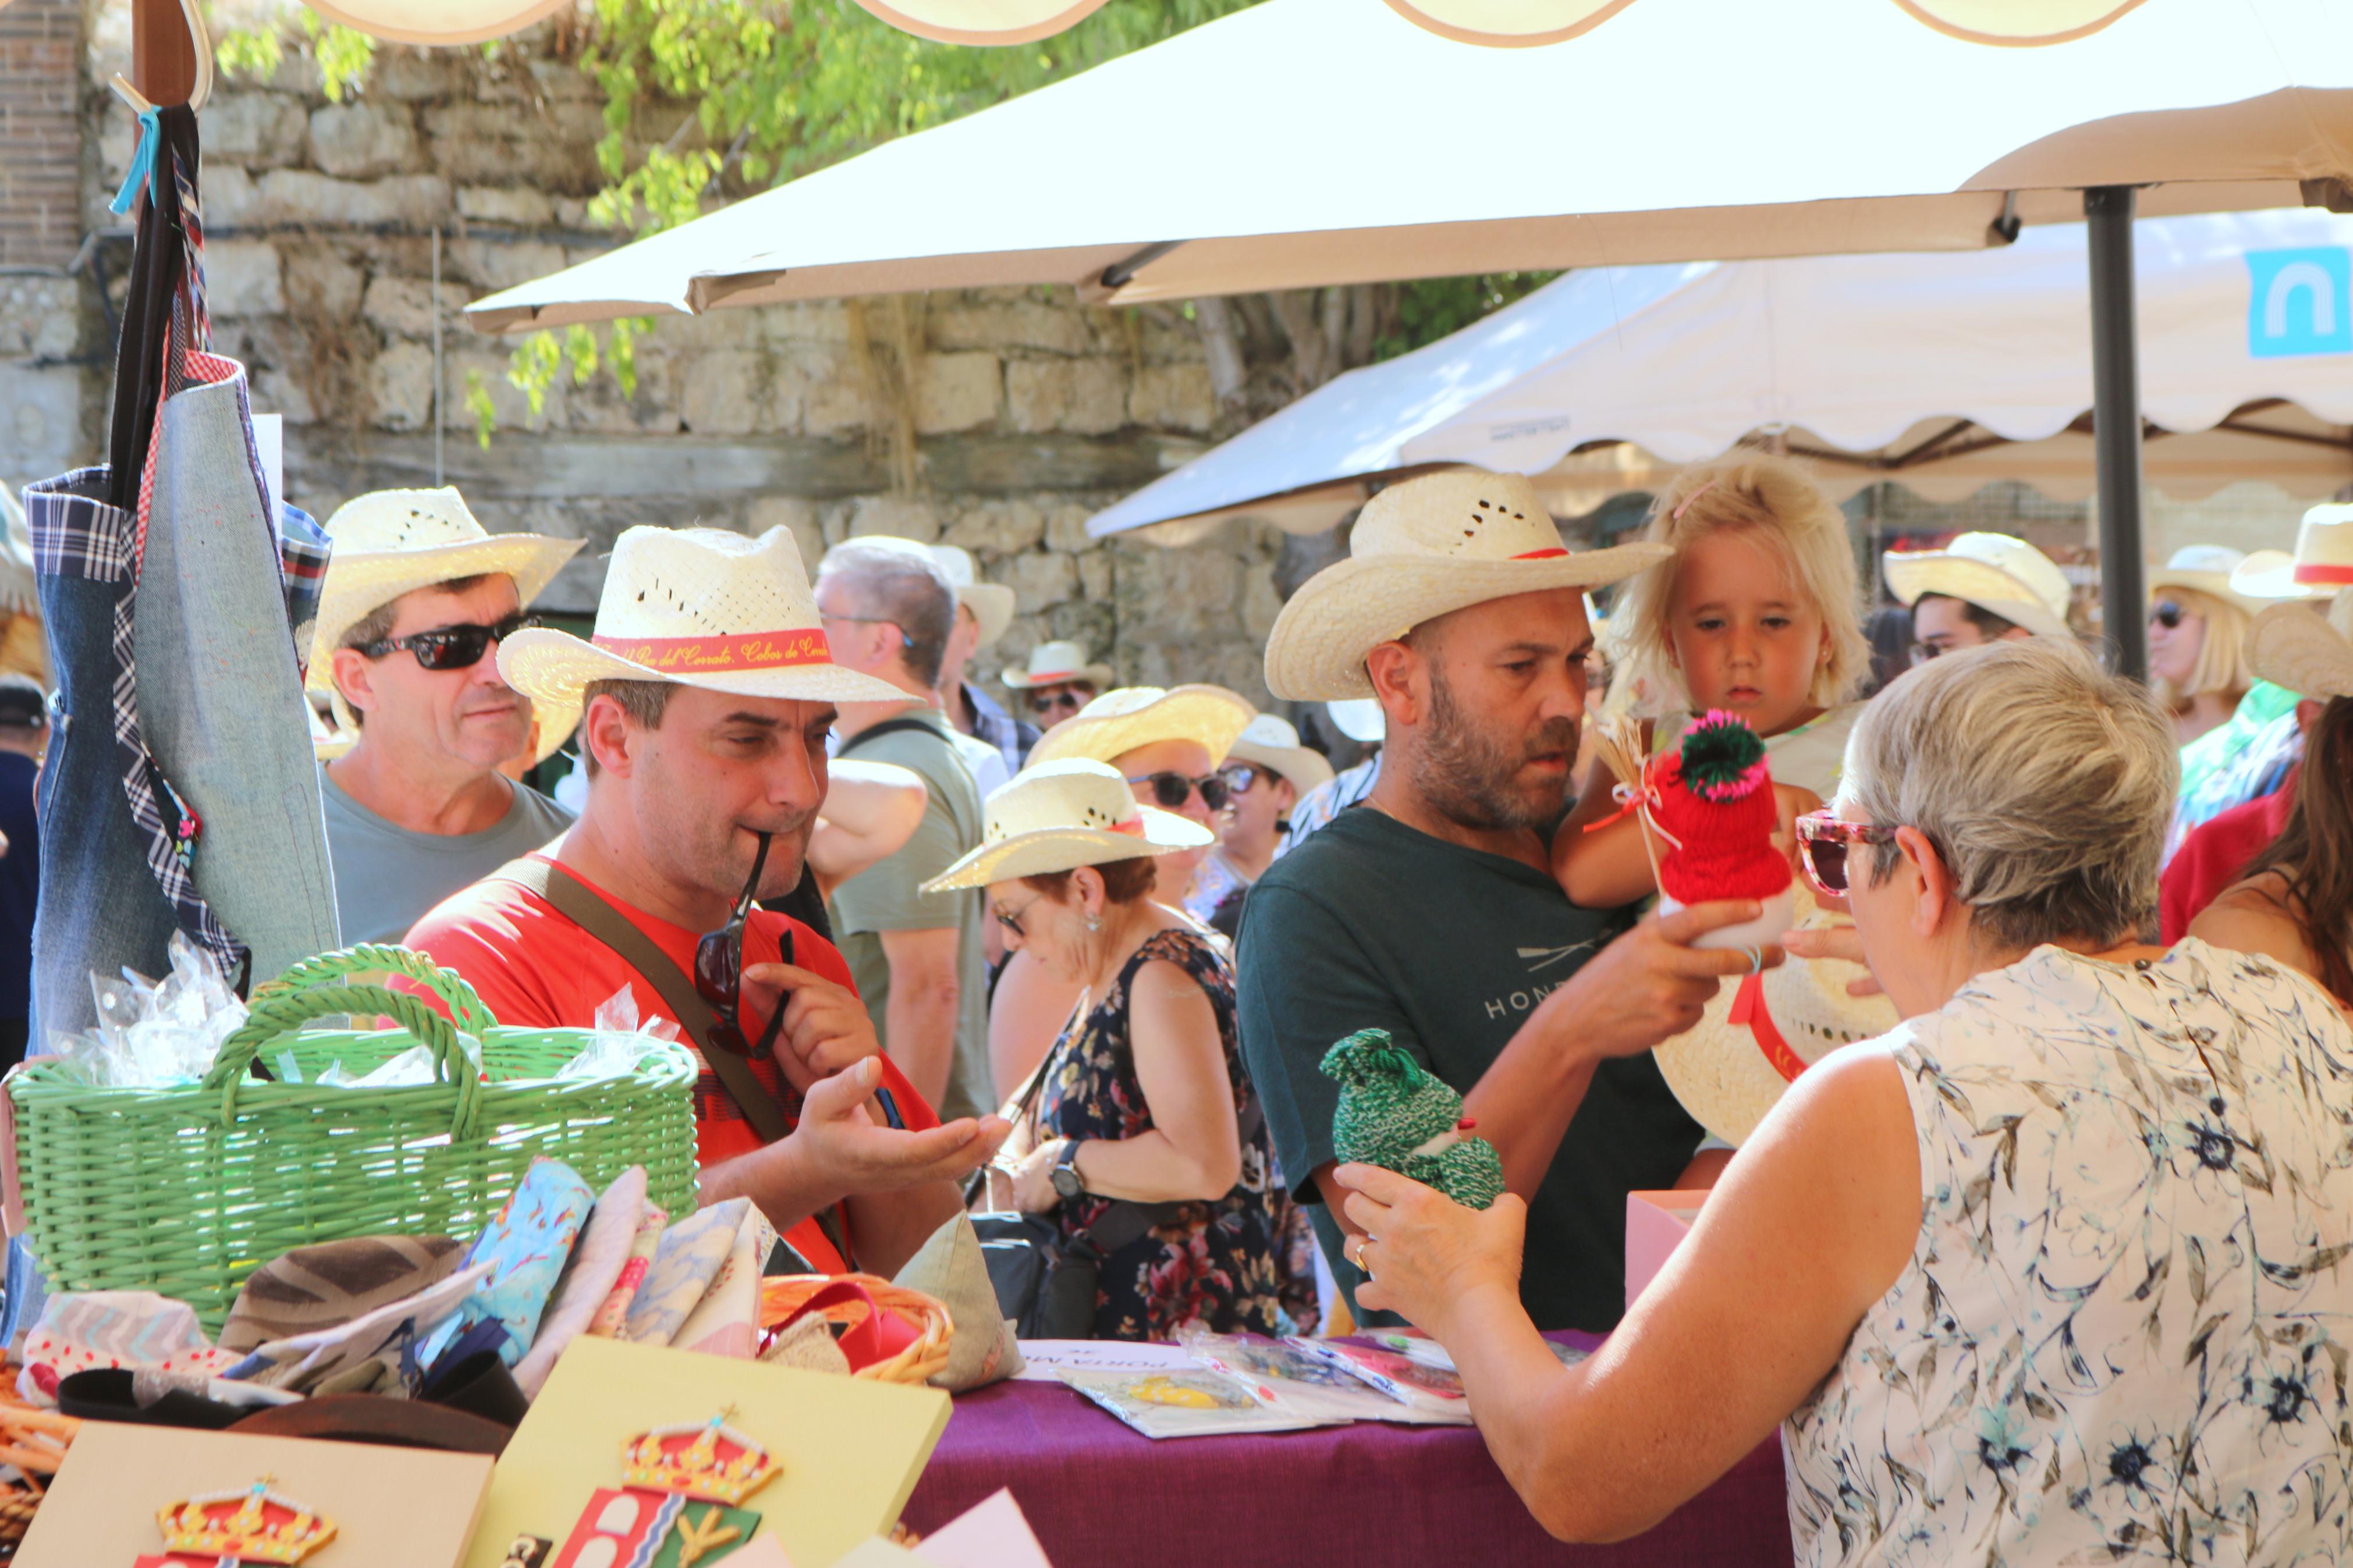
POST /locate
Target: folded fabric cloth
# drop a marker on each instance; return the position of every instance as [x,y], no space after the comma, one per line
[162,1398]
[526,1248]
[727,1322]
[587,1278]
[808,1344]
[133,1329]
[690,1253]
[479,1384]
[950,1268]
[390,1333]
[614,1315]
[315,1288]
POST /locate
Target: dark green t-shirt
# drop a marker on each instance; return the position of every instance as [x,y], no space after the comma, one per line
[1373,924]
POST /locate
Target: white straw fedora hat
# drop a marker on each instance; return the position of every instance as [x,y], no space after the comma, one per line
[1056,817]
[991,604]
[391,543]
[2205,569]
[1120,721]
[1054,663]
[1991,571]
[699,607]
[2323,562]
[1423,549]
[1272,742]
[2293,644]
[1723,1069]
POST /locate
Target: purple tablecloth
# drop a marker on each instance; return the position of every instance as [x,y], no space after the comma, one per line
[1101,1496]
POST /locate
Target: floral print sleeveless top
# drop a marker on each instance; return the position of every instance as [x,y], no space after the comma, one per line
[1215,1264]
[2125,1327]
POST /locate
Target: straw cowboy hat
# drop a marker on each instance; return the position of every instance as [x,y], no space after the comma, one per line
[1420,550]
[991,604]
[1118,722]
[1724,1071]
[1055,664]
[2293,645]
[1056,817]
[1272,742]
[696,606]
[2207,569]
[1991,571]
[2323,562]
[391,543]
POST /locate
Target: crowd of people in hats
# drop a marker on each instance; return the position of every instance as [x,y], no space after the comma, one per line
[2025,1123]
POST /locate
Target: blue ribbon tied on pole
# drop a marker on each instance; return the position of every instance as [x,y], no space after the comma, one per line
[143,166]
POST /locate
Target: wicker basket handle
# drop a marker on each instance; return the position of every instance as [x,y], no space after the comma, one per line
[308,991]
[458,998]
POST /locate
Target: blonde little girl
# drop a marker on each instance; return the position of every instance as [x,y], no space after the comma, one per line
[1759,613]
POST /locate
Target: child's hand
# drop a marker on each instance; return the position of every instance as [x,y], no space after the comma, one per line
[1791,802]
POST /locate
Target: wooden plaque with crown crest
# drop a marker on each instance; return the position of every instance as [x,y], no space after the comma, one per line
[131,1494]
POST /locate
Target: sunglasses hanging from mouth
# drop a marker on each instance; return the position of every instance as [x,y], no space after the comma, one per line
[719,968]
[1170,790]
[449,648]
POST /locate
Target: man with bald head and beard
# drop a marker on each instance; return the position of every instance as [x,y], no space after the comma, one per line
[1429,910]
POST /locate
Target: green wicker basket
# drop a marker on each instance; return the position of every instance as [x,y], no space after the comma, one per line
[187,1190]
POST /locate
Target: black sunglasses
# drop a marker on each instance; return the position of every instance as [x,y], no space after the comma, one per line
[1064,699]
[718,969]
[1172,790]
[2167,613]
[1238,777]
[449,647]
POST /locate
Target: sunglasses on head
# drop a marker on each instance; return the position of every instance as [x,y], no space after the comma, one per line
[449,647]
[1066,699]
[1171,791]
[718,969]
[1822,845]
[2167,613]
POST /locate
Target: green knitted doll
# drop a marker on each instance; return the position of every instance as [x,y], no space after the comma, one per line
[1394,1115]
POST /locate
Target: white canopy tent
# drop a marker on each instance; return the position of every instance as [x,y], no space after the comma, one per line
[1304,142]
[1944,371]
[1311,142]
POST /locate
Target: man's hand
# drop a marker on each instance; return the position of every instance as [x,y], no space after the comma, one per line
[845,1154]
[825,1027]
[1650,985]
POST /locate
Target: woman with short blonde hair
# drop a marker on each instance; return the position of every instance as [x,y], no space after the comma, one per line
[2050,1273]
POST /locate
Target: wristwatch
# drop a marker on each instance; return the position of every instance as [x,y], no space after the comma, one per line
[1065,1174]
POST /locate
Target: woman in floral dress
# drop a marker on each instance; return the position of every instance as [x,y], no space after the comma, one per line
[1142,1109]
[2059,1271]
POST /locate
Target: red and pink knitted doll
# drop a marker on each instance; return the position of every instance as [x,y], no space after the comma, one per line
[1711,807]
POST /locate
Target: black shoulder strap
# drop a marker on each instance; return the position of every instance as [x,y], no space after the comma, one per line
[888,727]
[577,904]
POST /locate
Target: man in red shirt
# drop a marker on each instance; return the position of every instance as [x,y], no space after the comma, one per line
[701,734]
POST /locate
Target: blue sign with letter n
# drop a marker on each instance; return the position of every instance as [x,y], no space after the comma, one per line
[2300,301]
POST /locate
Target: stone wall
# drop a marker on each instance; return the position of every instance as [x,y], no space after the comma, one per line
[1024,413]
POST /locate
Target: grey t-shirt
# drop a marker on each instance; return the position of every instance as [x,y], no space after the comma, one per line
[884,898]
[387,876]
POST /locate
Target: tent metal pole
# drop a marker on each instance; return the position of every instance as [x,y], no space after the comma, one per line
[2115,426]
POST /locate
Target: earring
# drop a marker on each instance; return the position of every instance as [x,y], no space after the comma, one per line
[1094,923]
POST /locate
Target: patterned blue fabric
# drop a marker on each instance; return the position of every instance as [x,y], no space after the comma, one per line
[2126,1323]
[1012,737]
[1319,806]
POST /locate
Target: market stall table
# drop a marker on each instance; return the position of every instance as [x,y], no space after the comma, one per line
[1373,1494]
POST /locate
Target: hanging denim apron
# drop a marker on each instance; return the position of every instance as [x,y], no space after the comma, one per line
[179,791]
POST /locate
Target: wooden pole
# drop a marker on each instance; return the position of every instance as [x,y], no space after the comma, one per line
[162,54]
